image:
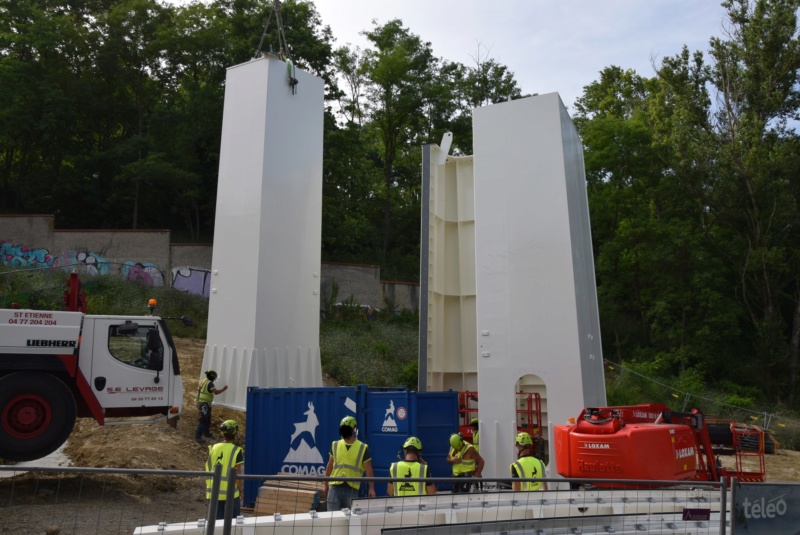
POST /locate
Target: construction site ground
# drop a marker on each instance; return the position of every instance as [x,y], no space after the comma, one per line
[80,504]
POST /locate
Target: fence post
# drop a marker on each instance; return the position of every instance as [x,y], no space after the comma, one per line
[212,502]
[230,496]
[723,504]
[734,486]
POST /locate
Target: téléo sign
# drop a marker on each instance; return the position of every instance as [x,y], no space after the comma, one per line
[767,509]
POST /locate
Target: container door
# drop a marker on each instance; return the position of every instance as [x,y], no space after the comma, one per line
[435,418]
[389,424]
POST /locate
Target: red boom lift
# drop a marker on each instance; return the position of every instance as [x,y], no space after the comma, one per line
[651,442]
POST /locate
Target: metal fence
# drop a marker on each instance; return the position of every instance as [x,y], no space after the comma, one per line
[71,500]
[80,501]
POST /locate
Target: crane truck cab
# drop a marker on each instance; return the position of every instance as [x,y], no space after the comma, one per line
[58,366]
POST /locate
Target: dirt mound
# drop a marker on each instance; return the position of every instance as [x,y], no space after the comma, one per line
[155,446]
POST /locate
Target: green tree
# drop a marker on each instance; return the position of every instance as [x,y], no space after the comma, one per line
[755,74]
[400,70]
[188,133]
[737,160]
[484,83]
[694,204]
[661,295]
[206,39]
[45,75]
[131,61]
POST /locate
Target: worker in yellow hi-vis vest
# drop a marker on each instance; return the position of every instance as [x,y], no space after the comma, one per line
[412,466]
[205,396]
[349,458]
[527,466]
[231,457]
[466,461]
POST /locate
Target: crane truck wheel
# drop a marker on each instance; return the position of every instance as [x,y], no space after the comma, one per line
[37,414]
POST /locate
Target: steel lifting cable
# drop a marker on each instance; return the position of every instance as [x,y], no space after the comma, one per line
[283,52]
[284,47]
[264,33]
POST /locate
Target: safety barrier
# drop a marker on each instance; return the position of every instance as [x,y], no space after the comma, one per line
[72,500]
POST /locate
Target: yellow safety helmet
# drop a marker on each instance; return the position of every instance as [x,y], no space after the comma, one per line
[413,442]
[229,427]
[474,421]
[456,441]
[524,439]
[349,421]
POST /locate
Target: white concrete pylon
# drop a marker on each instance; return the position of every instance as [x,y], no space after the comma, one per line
[263,324]
[537,315]
[508,298]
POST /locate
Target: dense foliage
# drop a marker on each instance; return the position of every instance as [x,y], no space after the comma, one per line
[694,190]
[111,111]
[110,116]
[378,353]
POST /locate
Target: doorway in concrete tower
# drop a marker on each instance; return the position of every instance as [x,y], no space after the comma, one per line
[531,412]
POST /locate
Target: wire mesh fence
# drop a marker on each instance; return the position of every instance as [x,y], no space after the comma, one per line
[96,501]
[107,501]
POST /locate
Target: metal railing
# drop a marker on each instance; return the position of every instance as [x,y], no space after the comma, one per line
[96,500]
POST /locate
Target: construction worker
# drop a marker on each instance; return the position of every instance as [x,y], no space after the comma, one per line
[527,466]
[231,457]
[205,396]
[412,466]
[349,458]
[466,461]
[475,431]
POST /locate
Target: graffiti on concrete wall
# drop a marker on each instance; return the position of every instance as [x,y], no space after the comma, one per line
[93,263]
[147,274]
[192,280]
[24,256]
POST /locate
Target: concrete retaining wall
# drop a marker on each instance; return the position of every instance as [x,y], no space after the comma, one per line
[147,256]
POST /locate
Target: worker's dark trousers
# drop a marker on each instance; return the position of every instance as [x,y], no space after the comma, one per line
[465,486]
[237,510]
[204,421]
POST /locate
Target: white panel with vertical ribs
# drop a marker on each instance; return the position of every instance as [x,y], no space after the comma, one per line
[451,349]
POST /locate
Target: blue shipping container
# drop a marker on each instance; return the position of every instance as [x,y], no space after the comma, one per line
[291,429]
[394,416]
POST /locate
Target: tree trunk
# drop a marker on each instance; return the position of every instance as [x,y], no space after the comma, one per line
[387,204]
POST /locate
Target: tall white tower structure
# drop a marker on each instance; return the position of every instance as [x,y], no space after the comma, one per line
[508,295]
[263,320]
